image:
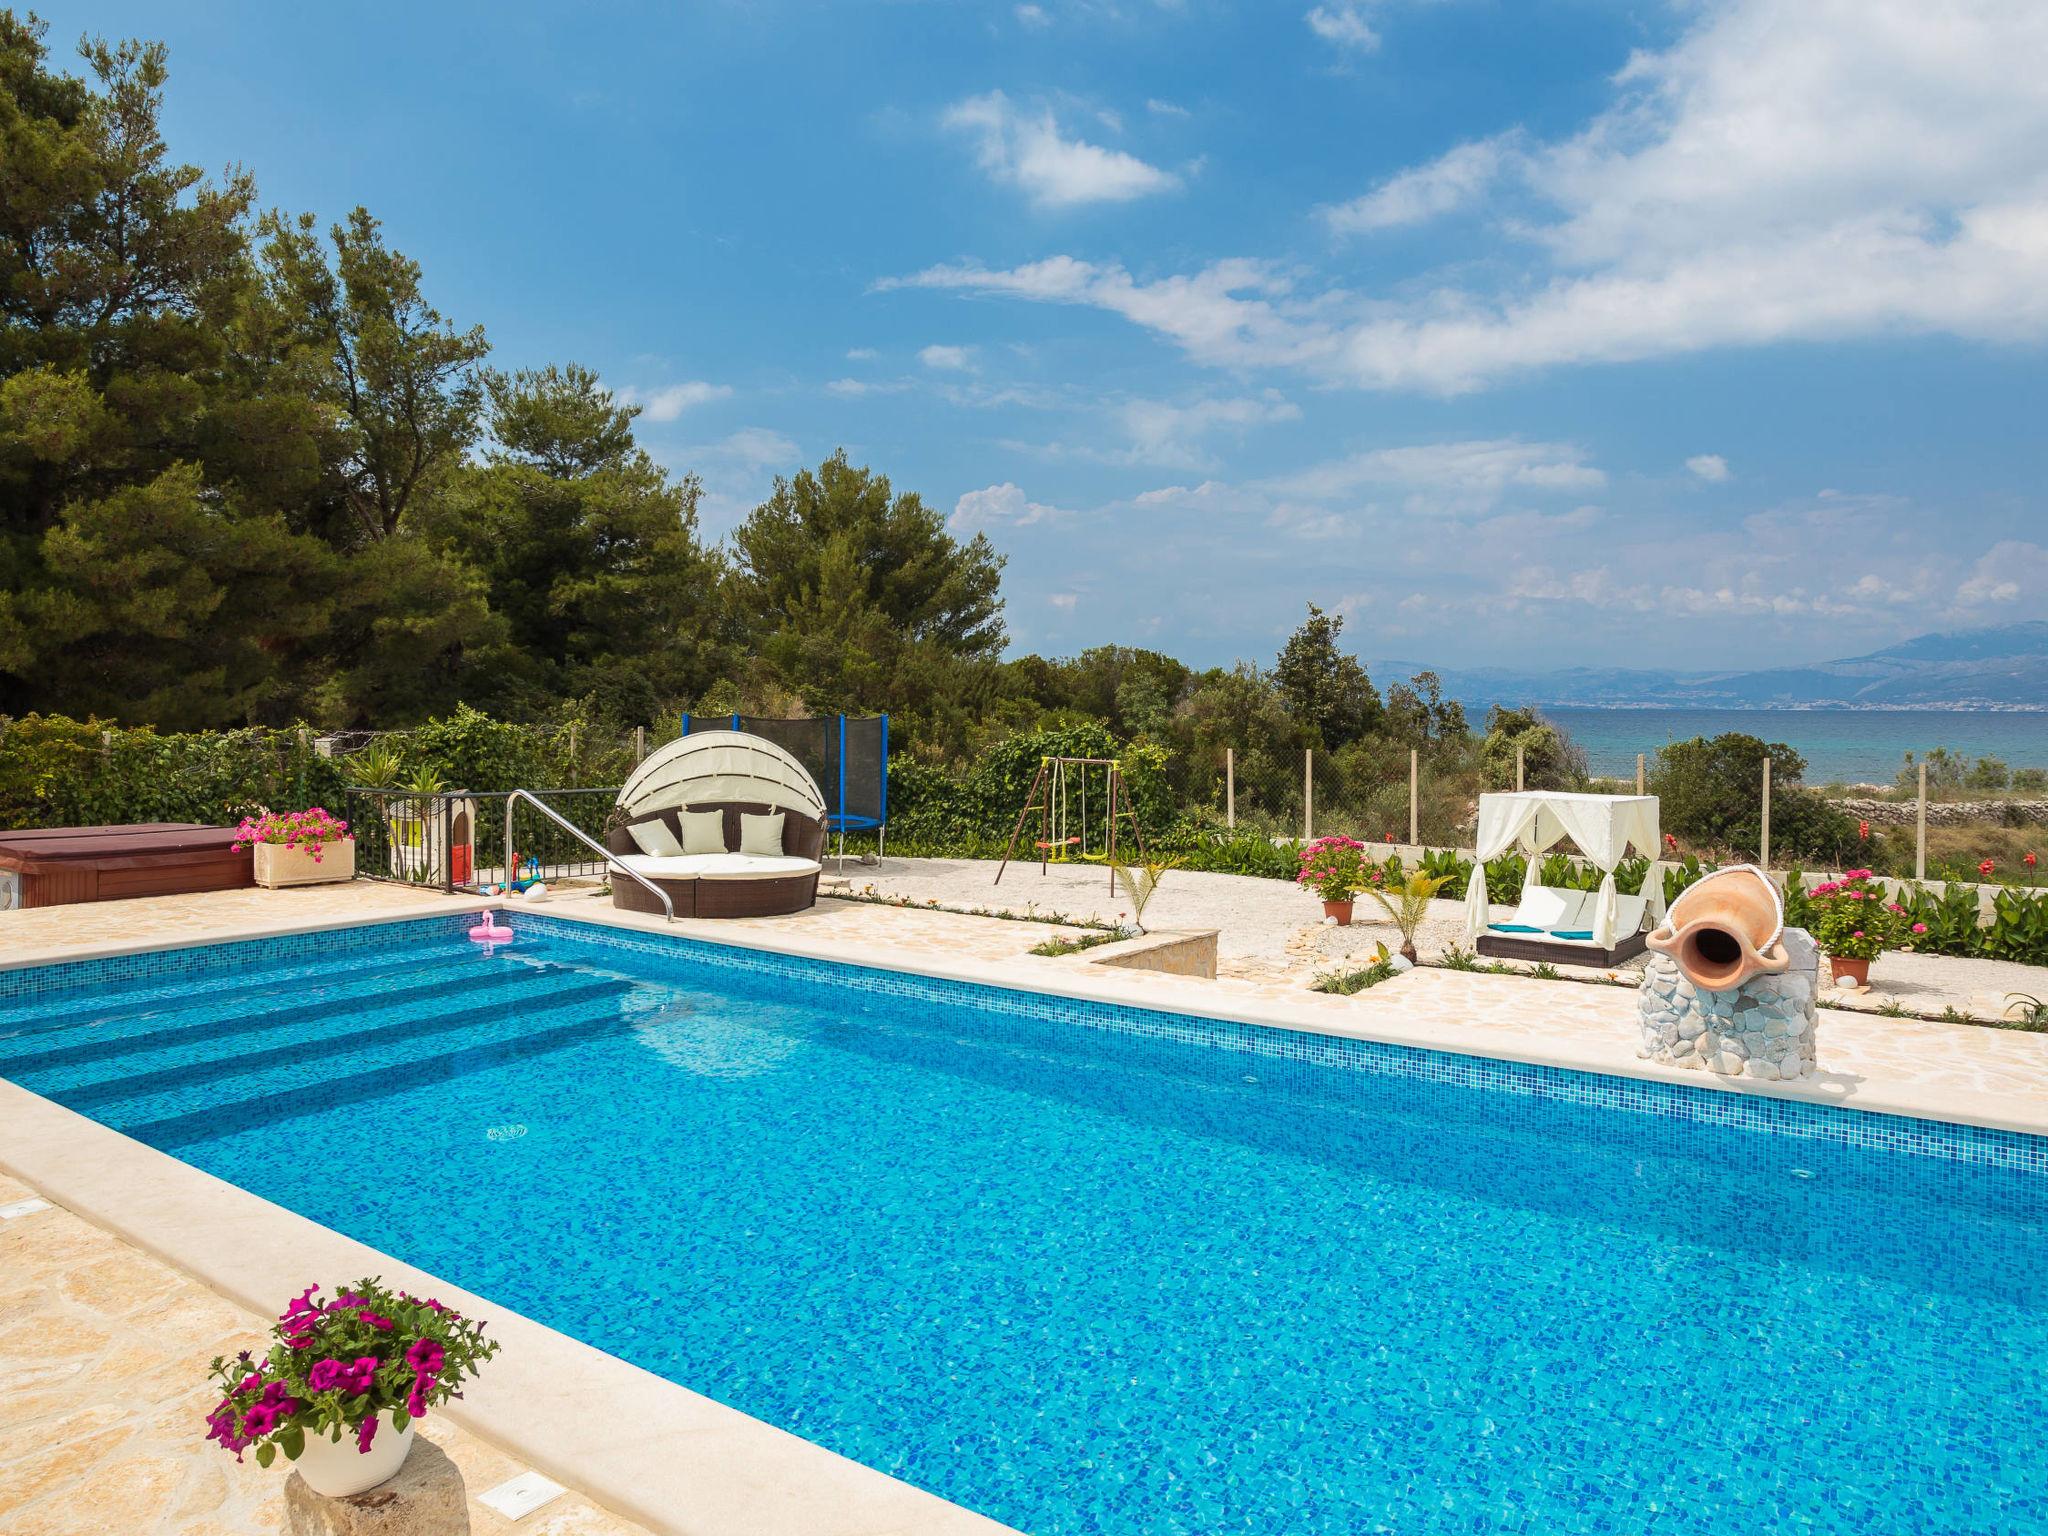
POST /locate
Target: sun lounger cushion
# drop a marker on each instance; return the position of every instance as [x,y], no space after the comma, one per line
[654,838]
[1514,928]
[761,835]
[718,866]
[703,832]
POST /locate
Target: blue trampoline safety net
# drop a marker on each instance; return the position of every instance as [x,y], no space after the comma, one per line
[848,756]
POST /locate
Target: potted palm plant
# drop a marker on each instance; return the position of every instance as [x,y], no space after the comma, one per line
[1409,905]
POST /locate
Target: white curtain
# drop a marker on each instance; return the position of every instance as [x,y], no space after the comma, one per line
[1603,826]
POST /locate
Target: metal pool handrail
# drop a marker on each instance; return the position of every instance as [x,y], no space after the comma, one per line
[611,859]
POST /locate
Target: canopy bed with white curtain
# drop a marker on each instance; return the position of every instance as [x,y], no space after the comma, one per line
[1569,927]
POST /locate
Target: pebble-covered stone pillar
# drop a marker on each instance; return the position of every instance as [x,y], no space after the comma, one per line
[1763,1028]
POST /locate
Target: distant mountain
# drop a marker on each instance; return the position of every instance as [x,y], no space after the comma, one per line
[2003,668]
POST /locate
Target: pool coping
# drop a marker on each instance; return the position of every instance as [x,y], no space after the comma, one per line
[645,1447]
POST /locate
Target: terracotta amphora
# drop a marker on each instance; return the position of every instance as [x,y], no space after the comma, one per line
[1725,928]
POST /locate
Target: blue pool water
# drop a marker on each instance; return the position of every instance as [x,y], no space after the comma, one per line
[1095,1270]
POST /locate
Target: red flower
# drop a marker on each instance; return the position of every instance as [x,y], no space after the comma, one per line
[1863,830]
[1390,837]
[1985,869]
[2028,861]
[1670,841]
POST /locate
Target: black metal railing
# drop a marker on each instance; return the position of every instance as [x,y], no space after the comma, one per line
[456,841]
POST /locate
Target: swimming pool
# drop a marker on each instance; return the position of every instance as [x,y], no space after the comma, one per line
[1095,1269]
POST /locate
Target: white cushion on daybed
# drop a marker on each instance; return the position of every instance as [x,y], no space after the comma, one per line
[718,866]
[1546,907]
[1628,920]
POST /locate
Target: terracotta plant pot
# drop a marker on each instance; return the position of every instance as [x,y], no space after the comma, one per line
[278,865]
[1340,910]
[1855,972]
[1723,929]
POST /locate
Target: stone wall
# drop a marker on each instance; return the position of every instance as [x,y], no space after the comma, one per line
[1763,1028]
[1945,813]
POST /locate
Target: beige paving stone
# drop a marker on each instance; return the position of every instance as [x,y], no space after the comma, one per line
[117,1285]
[127,1491]
[103,1398]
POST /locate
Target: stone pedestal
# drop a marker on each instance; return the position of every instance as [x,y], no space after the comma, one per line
[426,1498]
[1763,1028]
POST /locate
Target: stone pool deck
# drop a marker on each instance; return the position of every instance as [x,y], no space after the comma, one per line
[103,1353]
[102,1345]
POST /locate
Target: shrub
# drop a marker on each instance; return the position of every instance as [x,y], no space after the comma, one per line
[2019,927]
[1947,924]
[1345,983]
[56,771]
[1710,794]
[1505,877]
[1550,759]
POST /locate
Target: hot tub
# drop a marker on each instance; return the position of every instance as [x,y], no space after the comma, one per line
[56,866]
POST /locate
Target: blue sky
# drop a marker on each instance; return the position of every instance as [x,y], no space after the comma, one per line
[1706,333]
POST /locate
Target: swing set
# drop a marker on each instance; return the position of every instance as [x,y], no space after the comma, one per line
[1059,798]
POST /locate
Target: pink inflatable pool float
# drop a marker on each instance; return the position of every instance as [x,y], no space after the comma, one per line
[489,930]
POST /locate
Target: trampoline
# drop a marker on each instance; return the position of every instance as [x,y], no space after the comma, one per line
[848,756]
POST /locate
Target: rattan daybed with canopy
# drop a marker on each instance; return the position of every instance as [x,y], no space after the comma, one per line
[727,824]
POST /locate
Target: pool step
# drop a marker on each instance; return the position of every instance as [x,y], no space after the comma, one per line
[58,1013]
[200,1021]
[539,1034]
[389,1046]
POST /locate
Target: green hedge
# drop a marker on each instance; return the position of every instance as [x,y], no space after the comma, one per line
[55,771]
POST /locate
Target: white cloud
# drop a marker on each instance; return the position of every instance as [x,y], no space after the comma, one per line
[1470,476]
[1451,181]
[1026,149]
[671,400]
[1160,108]
[1710,467]
[1162,432]
[2005,571]
[854,389]
[1344,26]
[997,506]
[1235,313]
[949,359]
[1033,17]
[861,354]
[1787,170]
[1064,601]
[754,448]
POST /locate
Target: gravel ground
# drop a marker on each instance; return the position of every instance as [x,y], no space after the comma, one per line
[1272,927]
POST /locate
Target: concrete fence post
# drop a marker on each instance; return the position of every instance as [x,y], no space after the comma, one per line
[1920,829]
[1230,787]
[1414,798]
[1641,782]
[1308,794]
[1764,851]
[1521,773]
[639,744]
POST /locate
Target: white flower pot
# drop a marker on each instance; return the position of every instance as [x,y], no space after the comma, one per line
[278,865]
[337,1469]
